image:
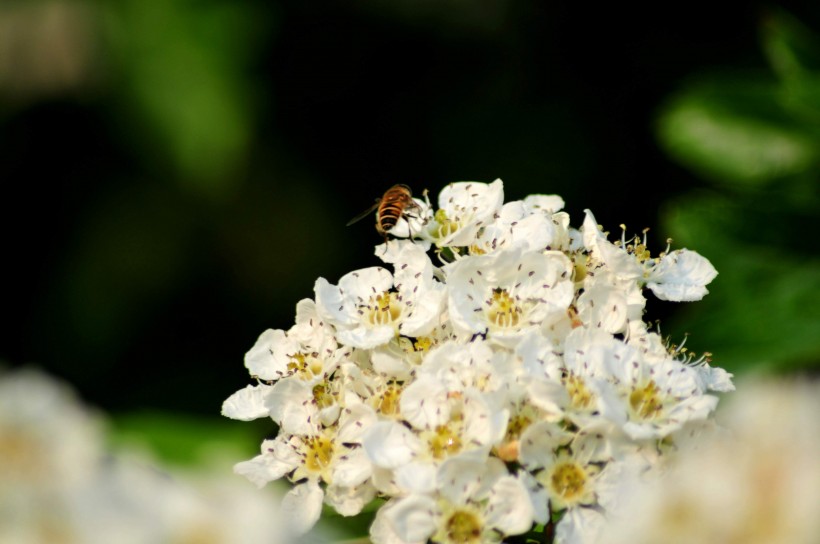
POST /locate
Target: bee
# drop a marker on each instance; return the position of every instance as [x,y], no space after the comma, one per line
[391,207]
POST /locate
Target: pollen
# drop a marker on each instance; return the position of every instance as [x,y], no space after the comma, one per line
[323,396]
[502,311]
[444,442]
[519,422]
[568,482]
[580,396]
[463,527]
[446,226]
[388,401]
[318,453]
[306,366]
[383,309]
[423,343]
[646,401]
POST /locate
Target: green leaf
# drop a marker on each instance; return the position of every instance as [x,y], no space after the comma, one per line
[735,131]
[184,67]
[791,47]
[186,440]
[761,312]
[794,54]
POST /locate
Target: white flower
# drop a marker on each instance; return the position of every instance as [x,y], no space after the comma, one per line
[364,308]
[308,350]
[464,208]
[422,296]
[475,502]
[508,293]
[659,397]
[370,306]
[576,385]
[616,259]
[678,276]
[443,426]
[48,441]
[59,484]
[520,224]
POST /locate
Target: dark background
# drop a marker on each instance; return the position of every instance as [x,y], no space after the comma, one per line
[176,175]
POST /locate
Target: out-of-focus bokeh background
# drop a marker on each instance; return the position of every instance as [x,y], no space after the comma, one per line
[176,174]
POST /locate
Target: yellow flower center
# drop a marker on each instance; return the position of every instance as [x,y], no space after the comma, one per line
[22,457]
[318,453]
[567,483]
[580,397]
[305,365]
[463,527]
[444,442]
[323,396]
[646,401]
[383,309]
[388,402]
[502,311]
[423,343]
[446,226]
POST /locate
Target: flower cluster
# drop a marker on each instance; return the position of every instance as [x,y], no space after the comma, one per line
[507,382]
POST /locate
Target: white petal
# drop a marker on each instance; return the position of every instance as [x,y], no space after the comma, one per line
[265,359]
[549,395]
[332,305]
[715,379]
[580,526]
[538,442]
[412,518]
[272,464]
[509,509]
[390,444]
[545,203]
[355,422]
[391,361]
[604,307]
[426,313]
[416,477]
[365,337]
[291,405]
[621,263]
[484,424]
[302,506]
[349,501]
[353,469]
[424,403]
[365,282]
[247,404]
[681,276]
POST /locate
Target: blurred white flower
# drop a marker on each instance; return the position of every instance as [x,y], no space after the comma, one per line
[760,483]
[59,484]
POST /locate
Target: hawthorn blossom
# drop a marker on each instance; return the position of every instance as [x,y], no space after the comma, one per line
[514,382]
[464,208]
[505,294]
[473,501]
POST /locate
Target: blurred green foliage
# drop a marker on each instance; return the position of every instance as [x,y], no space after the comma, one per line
[757,140]
[184,72]
[186,440]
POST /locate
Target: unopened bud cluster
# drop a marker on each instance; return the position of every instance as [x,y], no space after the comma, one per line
[497,373]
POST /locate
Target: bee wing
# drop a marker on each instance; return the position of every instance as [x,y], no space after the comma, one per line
[365,213]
